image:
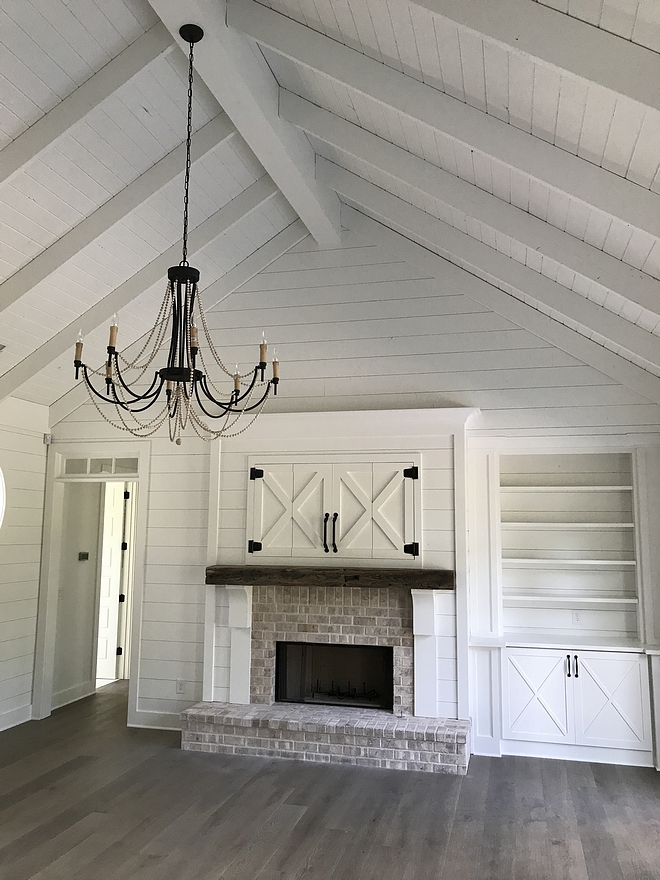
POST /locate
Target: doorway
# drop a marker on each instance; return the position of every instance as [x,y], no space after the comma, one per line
[92,635]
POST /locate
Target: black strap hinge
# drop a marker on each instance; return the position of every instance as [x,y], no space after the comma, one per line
[254,546]
[122,597]
[124,545]
[120,651]
[127,495]
[256,473]
[411,549]
[412,472]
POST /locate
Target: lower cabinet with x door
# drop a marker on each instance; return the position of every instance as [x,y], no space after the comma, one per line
[598,700]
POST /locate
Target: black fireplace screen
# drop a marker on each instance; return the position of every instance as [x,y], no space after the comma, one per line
[346,675]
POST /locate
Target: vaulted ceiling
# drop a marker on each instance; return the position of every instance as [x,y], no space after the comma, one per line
[519,140]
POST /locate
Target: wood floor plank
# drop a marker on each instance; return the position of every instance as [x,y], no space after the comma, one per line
[83,797]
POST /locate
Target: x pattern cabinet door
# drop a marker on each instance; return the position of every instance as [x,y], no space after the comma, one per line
[611,703]
[272,520]
[536,700]
[311,490]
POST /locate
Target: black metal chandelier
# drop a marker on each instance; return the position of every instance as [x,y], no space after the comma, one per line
[190,397]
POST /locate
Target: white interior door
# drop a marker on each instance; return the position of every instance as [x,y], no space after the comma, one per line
[537,702]
[111,573]
[612,705]
[74,670]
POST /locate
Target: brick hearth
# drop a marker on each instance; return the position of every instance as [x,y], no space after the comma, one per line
[324,734]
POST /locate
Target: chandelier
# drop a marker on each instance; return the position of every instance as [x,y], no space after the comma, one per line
[181,390]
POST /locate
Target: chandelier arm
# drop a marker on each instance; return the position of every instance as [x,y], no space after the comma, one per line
[226,408]
[149,393]
[129,406]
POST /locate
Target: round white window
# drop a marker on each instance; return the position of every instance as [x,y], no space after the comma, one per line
[3,497]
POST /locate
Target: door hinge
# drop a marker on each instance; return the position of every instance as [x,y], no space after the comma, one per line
[120,651]
[127,495]
[411,549]
[256,474]
[254,546]
[124,545]
[412,472]
[122,597]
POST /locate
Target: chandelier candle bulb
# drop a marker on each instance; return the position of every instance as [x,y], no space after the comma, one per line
[114,327]
[194,336]
[79,347]
[263,348]
[237,380]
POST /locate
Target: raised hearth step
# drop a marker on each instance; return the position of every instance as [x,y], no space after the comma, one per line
[328,734]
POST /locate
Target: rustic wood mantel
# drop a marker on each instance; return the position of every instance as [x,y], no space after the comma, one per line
[316,576]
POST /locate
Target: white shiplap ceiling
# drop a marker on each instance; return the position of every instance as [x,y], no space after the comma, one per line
[519,140]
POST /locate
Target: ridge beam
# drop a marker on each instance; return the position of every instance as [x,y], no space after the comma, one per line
[236,73]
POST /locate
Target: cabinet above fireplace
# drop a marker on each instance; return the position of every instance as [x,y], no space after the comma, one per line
[333,511]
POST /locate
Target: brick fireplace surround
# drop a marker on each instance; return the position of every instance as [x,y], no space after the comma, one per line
[330,606]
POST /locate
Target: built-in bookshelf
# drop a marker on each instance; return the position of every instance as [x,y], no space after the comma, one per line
[568,546]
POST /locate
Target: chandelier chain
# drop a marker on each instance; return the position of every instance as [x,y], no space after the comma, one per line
[186,185]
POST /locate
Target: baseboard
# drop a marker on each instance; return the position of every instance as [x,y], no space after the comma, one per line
[153,720]
[565,752]
[70,695]
[15,717]
[488,746]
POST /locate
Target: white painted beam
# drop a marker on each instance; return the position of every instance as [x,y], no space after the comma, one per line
[484,261]
[244,204]
[530,231]
[115,209]
[504,143]
[213,295]
[239,78]
[418,238]
[560,41]
[90,94]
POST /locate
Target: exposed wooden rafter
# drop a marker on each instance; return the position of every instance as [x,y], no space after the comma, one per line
[115,209]
[90,94]
[596,187]
[559,41]
[234,211]
[243,84]
[530,231]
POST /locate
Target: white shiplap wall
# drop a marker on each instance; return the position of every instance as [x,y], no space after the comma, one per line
[23,463]
[355,329]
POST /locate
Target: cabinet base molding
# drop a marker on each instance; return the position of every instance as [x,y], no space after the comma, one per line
[569,752]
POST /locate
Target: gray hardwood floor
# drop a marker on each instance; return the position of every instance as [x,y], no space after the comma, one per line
[83,797]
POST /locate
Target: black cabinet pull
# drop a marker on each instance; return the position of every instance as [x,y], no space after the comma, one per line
[568,664]
[325,532]
[577,668]
[334,532]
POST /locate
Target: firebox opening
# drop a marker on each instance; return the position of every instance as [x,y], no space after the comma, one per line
[346,675]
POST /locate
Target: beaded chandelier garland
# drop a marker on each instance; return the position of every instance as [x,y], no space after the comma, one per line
[190,397]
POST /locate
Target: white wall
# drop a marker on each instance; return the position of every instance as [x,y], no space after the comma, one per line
[355,329]
[23,462]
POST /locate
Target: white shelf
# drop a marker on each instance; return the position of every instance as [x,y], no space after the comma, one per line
[505,489]
[550,563]
[565,599]
[568,603]
[549,526]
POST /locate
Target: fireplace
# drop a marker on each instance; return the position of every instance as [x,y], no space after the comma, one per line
[334,674]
